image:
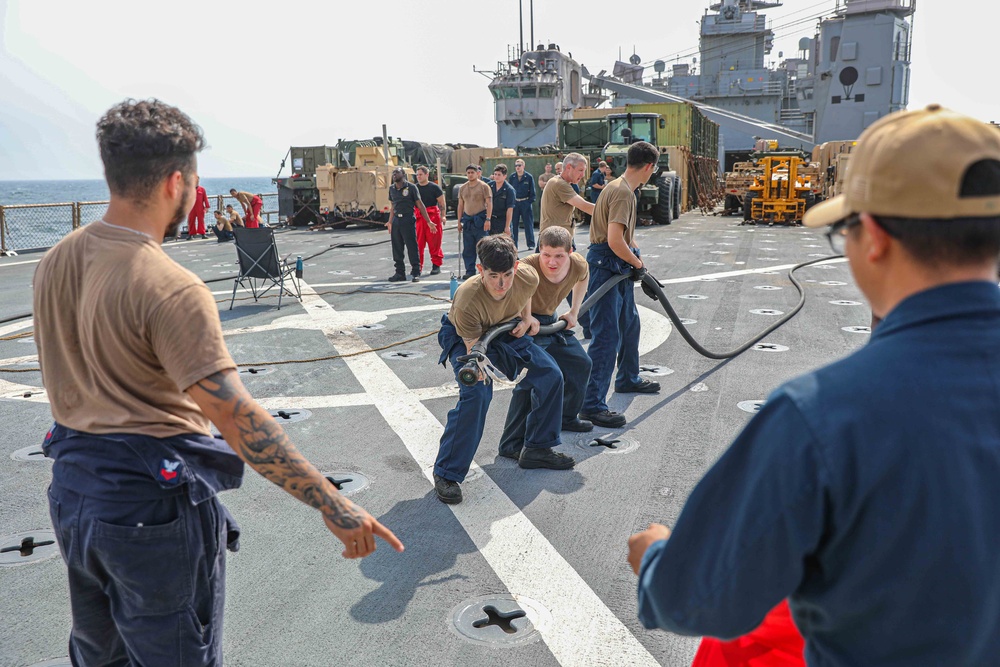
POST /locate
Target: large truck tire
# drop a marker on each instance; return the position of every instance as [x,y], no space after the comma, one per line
[677,197]
[662,212]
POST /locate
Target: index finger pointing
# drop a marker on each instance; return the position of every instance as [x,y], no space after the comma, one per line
[388,536]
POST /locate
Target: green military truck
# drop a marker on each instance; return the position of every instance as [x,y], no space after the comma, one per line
[660,198]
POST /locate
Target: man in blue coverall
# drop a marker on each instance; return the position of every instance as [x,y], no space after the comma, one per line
[524,188]
[501,292]
[614,319]
[866,492]
[503,201]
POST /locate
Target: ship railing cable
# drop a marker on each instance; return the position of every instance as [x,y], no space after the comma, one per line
[476,362]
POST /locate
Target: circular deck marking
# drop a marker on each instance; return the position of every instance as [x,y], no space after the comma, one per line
[403,355]
[825,267]
[857,329]
[708,280]
[812,245]
[354,254]
[369,327]
[499,620]
[816,254]
[685,320]
[290,415]
[340,272]
[718,252]
[666,492]
[770,347]
[29,339]
[728,244]
[32,546]
[652,256]
[769,288]
[664,246]
[255,371]
[348,482]
[692,297]
[832,283]
[609,444]
[767,259]
[364,278]
[750,406]
[31,453]
[699,387]
[845,302]
[655,371]
[712,264]
[766,311]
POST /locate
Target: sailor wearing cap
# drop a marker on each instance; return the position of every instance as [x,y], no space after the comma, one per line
[866,492]
[405,200]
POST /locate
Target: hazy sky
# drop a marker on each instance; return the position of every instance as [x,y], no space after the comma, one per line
[261,76]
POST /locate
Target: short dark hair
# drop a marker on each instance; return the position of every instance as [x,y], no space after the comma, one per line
[473,167]
[143,142]
[423,169]
[496,253]
[556,237]
[502,168]
[642,153]
[954,242]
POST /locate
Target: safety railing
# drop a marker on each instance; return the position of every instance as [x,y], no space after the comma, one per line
[32,227]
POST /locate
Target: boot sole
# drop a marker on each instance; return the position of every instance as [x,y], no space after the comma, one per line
[449,501]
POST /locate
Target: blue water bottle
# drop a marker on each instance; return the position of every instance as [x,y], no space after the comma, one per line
[454,286]
[298,267]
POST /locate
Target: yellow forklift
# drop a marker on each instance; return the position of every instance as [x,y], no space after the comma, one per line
[780,192]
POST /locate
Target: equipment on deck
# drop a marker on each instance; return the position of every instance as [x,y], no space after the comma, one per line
[660,198]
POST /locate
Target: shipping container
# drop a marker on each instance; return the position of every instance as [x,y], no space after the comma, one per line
[583,134]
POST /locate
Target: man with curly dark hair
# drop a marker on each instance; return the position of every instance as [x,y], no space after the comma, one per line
[133,498]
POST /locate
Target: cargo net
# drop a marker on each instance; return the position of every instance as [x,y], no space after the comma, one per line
[704,189]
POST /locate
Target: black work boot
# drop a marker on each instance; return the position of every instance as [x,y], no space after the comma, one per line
[448,492]
[533,457]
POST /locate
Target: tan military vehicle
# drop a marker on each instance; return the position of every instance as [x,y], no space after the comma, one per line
[358,194]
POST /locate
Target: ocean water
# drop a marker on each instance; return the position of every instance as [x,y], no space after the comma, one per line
[42,226]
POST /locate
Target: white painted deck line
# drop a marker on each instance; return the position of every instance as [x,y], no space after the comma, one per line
[16,326]
[582,629]
[744,272]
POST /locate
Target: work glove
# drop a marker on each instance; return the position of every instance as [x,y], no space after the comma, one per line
[648,291]
[637,274]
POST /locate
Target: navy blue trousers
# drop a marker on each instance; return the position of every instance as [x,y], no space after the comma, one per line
[146,578]
[466,421]
[574,364]
[472,231]
[523,213]
[614,325]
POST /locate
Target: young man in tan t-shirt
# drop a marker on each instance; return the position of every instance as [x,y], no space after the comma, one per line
[133,496]
[475,208]
[560,273]
[614,320]
[501,292]
[559,198]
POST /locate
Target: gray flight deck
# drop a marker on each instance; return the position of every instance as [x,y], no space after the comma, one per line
[554,541]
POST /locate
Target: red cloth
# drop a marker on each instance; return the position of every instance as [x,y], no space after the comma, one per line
[196,218]
[776,642]
[426,239]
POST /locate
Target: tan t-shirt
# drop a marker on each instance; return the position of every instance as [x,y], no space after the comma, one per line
[474,197]
[549,295]
[616,204]
[474,309]
[122,331]
[556,209]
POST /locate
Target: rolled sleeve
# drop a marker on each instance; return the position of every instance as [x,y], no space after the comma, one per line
[744,535]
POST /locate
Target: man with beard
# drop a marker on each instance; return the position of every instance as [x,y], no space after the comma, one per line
[406,203]
[133,497]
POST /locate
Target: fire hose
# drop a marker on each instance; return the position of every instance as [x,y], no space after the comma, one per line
[476,364]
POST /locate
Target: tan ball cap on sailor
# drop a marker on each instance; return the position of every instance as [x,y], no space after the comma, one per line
[912,164]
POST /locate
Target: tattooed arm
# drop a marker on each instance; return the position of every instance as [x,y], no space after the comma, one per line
[261,442]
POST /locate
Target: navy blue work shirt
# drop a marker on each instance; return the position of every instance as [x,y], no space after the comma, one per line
[403,201]
[866,492]
[524,187]
[597,178]
[503,199]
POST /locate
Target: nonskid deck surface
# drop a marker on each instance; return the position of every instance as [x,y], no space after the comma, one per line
[554,541]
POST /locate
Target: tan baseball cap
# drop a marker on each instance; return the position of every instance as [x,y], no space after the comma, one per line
[911,164]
